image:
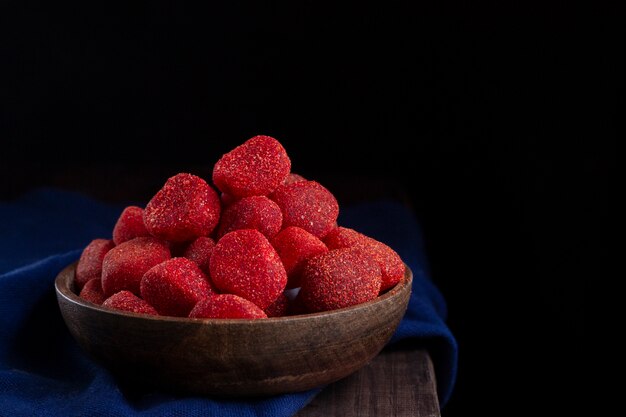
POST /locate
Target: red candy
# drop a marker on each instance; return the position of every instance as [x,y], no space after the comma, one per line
[200,251]
[226,306]
[339,278]
[184,209]
[256,167]
[127,301]
[175,286]
[245,263]
[270,234]
[388,260]
[278,308]
[129,225]
[294,246]
[256,212]
[90,262]
[92,291]
[124,265]
[307,204]
[291,178]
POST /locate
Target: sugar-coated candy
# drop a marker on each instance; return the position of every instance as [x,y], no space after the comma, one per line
[390,263]
[294,246]
[200,251]
[339,278]
[124,265]
[90,262]
[245,263]
[307,204]
[256,212]
[92,291]
[129,225]
[175,286]
[260,241]
[256,167]
[127,301]
[185,208]
[293,177]
[226,306]
[278,308]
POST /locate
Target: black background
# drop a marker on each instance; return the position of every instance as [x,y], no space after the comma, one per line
[498,121]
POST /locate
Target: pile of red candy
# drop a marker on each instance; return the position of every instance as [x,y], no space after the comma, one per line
[243,253]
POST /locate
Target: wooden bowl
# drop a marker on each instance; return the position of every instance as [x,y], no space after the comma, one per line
[234,358]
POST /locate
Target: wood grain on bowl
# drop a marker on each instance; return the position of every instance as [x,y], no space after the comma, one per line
[234,358]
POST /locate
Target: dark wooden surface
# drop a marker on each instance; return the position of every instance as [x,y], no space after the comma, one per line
[398,383]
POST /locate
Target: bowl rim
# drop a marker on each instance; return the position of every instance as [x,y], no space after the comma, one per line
[62,285]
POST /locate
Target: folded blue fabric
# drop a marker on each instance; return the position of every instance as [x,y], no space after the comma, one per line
[43,372]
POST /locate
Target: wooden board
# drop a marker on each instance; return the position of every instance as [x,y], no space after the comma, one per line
[396,383]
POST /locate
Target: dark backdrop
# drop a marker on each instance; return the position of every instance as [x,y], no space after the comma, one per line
[498,122]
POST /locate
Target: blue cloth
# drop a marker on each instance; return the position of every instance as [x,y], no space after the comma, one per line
[43,372]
